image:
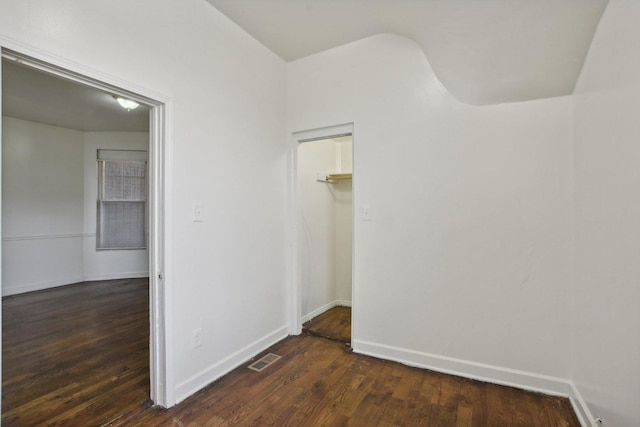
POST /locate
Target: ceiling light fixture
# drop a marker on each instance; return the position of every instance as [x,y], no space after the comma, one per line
[127,103]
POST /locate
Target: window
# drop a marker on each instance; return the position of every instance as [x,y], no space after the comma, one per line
[121,206]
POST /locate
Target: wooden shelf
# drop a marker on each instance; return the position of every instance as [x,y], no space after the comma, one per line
[339,176]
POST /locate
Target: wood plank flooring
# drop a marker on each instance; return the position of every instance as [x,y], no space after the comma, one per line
[76,355]
[334,324]
[320,382]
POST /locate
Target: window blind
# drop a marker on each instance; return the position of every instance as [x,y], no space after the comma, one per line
[121,204]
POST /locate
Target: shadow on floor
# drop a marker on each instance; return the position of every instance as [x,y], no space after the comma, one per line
[334,324]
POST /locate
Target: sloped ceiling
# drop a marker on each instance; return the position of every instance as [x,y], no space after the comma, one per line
[483,51]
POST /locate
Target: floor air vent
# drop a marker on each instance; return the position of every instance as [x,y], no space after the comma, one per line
[263,362]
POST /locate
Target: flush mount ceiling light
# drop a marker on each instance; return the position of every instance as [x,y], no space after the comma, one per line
[126,103]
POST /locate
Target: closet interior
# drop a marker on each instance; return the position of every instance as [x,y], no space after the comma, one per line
[326,229]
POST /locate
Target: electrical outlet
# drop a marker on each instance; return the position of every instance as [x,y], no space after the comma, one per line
[196,338]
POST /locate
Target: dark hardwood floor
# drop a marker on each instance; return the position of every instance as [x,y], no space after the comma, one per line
[76,355]
[334,324]
[320,382]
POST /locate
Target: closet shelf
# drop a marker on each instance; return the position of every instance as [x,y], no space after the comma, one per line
[338,176]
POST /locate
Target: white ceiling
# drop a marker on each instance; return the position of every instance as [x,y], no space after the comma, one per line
[483,51]
[32,95]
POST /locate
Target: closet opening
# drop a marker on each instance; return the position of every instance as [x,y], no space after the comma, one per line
[324,177]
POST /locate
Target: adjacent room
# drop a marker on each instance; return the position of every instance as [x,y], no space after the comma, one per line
[490,268]
[74,251]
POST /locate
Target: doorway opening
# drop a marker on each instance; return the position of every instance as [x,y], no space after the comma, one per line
[144,254]
[323,214]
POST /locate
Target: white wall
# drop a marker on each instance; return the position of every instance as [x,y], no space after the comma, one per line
[103,265]
[227,125]
[468,250]
[42,206]
[325,231]
[343,199]
[317,227]
[606,320]
[50,193]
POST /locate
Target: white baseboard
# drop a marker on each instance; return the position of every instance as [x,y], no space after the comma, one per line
[212,373]
[468,369]
[318,311]
[580,407]
[115,276]
[14,290]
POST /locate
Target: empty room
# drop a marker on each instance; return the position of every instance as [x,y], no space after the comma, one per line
[75,294]
[480,236]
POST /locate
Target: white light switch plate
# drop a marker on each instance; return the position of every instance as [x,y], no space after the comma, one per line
[366,213]
[198,212]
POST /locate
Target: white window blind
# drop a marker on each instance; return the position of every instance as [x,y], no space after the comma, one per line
[121,204]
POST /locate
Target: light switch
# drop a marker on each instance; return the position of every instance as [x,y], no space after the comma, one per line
[366,213]
[198,212]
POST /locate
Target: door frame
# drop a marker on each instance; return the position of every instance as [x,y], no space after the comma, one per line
[295,212]
[160,212]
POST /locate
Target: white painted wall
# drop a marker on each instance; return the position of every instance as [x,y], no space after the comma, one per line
[469,247]
[343,199]
[103,265]
[325,228]
[50,226]
[227,125]
[42,206]
[606,320]
[317,227]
